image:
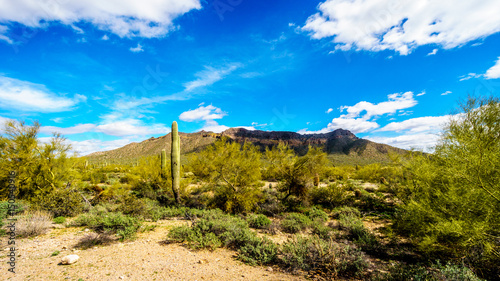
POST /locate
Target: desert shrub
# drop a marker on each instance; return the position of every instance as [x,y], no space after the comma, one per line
[59,220]
[143,208]
[324,257]
[348,211]
[358,232]
[331,196]
[61,202]
[214,229]
[90,240]
[102,221]
[15,208]
[323,231]
[338,173]
[259,221]
[242,200]
[33,223]
[295,222]
[435,272]
[258,251]
[270,206]
[317,214]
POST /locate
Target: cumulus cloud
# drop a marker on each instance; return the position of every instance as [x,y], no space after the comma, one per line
[329,110]
[27,96]
[204,113]
[402,25]
[359,117]
[494,71]
[420,124]
[137,49]
[125,18]
[424,141]
[433,52]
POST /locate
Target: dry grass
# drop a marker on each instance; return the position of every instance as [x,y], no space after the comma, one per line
[33,223]
[93,239]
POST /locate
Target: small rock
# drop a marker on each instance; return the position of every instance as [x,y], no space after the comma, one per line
[69,259]
[269,269]
[86,230]
[203,261]
[64,248]
[121,277]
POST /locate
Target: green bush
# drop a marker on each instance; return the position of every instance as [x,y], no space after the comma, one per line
[358,232]
[59,220]
[61,202]
[317,214]
[350,211]
[321,256]
[295,222]
[102,221]
[331,196]
[259,221]
[214,227]
[258,251]
[435,272]
[323,231]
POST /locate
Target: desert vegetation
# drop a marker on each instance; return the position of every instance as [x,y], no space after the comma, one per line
[421,217]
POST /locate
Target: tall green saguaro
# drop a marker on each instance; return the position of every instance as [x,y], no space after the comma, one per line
[176,161]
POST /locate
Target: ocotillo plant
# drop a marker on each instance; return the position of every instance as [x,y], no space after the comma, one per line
[176,161]
[163,162]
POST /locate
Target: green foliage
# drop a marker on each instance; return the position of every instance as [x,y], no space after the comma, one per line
[323,231]
[55,253]
[233,171]
[258,251]
[436,272]
[143,209]
[61,202]
[346,211]
[259,221]
[295,174]
[102,221]
[295,222]
[452,199]
[213,230]
[358,232]
[41,168]
[331,196]
[339,173]
[59,220]
[324,257]
[317,214]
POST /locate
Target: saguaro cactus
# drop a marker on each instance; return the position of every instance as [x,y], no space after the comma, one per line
[176,161]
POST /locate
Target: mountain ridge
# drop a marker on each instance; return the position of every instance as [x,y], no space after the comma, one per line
[340,142]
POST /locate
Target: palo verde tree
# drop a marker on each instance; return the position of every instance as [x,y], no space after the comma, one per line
[452,201]
[296,174]
[41,168]
[233,171]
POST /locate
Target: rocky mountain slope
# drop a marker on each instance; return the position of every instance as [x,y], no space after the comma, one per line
[337,143]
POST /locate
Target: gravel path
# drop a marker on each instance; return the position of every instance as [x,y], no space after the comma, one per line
[145,258]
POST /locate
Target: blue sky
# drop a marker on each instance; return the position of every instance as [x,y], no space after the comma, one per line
[107,73]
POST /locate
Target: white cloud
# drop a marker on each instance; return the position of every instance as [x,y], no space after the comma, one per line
[204,113]
[446,93]
[329,110]
[396,102]
[469,76]
[357,117]
[125,18]
[433,52]
[27,96]
[403,25]
[137,49]
[132,127]
[419,124]
[210,75]
[424,142]
[213,126]
[421,94]
[494,71]
[93,145]
[78,129]
[105,37]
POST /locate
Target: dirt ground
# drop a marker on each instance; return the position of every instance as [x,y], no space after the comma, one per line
[145,258]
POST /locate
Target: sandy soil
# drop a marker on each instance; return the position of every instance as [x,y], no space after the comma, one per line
[145,258]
